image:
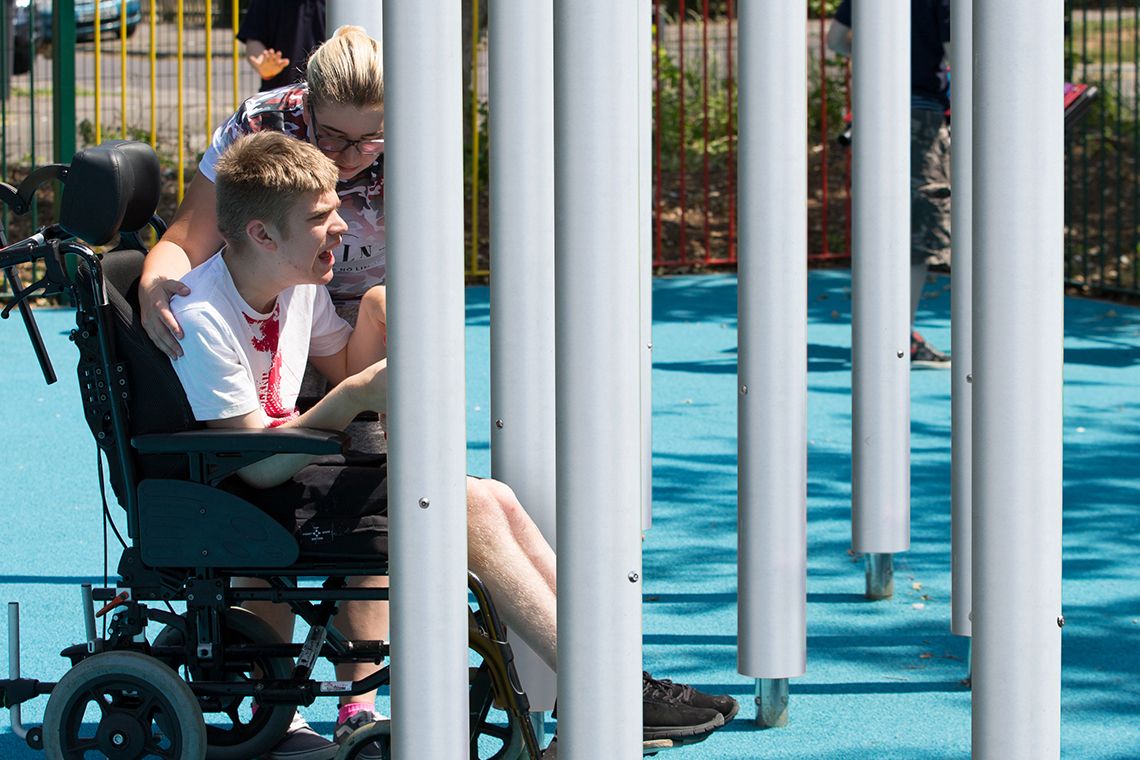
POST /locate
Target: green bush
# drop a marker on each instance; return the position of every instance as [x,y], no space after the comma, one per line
[689,132]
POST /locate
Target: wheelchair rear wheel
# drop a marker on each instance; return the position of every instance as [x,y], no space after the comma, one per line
[498,736]
[142,708]
[242,734]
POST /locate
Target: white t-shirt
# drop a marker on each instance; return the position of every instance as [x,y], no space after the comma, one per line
[237,360]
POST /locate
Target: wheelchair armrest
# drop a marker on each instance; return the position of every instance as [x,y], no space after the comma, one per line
[216,454]
[244,442]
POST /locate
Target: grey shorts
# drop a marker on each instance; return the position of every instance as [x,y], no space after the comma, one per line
[336,508]
[929,188]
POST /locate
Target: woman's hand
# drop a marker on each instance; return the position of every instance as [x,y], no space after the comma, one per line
[155,314]
[191,239]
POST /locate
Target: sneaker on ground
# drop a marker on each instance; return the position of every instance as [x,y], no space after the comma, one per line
[666,716]
[722,703]
[922,354]
[301,742]
[379,749]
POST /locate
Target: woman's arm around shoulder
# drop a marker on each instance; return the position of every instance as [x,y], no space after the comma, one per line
[191,239]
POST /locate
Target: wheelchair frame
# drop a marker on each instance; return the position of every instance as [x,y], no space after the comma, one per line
[216,648]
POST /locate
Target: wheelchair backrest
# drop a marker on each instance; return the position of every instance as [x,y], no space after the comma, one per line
[109,189]
[147,387]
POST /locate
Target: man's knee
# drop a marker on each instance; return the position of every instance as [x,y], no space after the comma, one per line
[489,500]
[501,492]
[374,304]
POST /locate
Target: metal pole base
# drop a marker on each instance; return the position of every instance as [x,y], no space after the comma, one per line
[14,716]
[538,723]
[771,702]
[969,682]
[880,576]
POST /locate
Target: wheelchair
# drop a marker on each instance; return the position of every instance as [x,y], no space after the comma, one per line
[180,685]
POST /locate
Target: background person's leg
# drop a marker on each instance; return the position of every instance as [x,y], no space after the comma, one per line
[277,614]
[917,283]
[362,620]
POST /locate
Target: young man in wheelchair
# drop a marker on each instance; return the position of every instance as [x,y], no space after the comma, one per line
[256,314]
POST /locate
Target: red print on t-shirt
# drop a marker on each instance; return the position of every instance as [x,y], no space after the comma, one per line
[269,384]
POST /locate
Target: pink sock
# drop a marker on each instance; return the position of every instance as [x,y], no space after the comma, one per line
[352,708]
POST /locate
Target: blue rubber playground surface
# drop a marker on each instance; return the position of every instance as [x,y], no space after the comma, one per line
[884,679]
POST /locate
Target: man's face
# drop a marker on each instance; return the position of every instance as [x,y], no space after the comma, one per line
[353,138]
[311,236]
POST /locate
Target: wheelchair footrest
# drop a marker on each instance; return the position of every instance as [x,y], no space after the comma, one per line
[17,691]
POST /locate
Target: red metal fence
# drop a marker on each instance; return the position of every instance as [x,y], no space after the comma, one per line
[694,138]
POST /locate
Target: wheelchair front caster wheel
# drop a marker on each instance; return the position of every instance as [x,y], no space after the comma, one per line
[143,709]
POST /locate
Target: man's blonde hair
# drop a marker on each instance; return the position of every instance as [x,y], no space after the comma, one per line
[346,70]
[261,176]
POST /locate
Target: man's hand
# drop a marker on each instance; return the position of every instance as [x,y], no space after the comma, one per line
[269,63]
[157,318]
[369,388]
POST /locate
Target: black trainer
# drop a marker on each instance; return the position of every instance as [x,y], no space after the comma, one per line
[922,354]
[666,716]
[722,703]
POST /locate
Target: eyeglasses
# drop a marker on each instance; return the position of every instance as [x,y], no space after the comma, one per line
[330,144]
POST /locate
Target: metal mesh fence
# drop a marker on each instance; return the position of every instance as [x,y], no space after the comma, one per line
[174,70]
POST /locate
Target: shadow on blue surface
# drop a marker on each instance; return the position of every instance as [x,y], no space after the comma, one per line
[882,679]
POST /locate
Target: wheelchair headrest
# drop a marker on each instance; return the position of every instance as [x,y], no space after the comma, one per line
[110,187]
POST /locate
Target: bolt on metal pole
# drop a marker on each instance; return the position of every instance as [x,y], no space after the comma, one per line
[598,378]
[427,447]
[521,97]
[880,283]
[772,374]
[1018,357]
[961,314]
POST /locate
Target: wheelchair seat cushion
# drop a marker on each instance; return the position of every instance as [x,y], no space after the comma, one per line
[336,511]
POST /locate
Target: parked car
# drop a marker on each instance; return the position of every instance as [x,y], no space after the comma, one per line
[110,22]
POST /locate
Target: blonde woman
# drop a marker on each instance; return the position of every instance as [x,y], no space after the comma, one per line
[339,108]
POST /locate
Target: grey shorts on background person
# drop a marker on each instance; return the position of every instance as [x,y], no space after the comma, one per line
[929,188]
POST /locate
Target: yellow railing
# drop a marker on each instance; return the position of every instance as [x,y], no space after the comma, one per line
[153,59]
[181,49]
[473,255]
[122,66]
[98,76]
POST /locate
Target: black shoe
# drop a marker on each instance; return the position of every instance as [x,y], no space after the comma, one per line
[922,354]
[722,703]
[301,742]
[666,716]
